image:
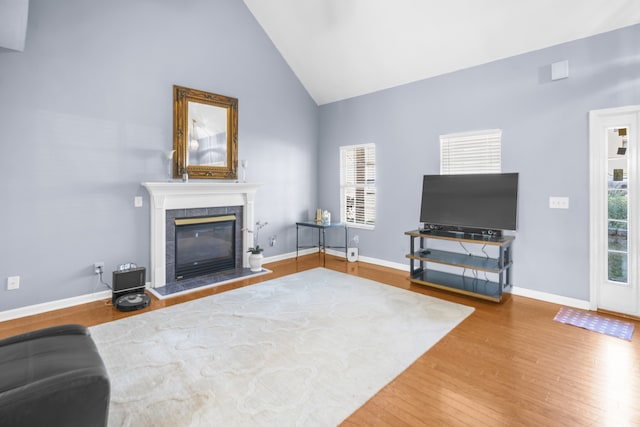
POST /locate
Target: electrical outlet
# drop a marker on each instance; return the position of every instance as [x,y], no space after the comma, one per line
[558,202]
[13,282]
[98,267]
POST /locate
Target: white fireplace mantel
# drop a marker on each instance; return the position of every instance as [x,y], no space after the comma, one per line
[200,194]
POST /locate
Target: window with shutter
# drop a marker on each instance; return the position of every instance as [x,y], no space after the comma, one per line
[358,185]
[472,152]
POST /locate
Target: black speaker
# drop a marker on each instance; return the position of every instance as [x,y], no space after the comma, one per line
[126,282]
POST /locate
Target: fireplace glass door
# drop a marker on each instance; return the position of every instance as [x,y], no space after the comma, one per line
[204,245]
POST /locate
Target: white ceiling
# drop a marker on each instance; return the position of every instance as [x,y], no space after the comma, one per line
[344,48]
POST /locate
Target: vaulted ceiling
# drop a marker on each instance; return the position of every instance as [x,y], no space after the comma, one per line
[344,48]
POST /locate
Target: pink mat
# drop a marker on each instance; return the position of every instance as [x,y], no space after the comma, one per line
[594,322]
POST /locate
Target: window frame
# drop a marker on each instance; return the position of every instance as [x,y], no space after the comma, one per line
[368,188]
[456,158]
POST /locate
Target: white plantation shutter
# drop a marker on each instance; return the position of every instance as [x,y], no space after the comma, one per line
[473,152]
[358,185]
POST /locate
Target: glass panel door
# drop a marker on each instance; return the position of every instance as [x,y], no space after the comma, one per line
[614,209]
[618,205]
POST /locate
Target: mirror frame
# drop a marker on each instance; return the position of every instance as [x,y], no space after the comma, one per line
[181,98]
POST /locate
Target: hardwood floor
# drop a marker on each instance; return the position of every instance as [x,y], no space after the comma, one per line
[508,364]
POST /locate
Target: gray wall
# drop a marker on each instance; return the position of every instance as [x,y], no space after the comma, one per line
[545,139]
[86,113]
[13,24]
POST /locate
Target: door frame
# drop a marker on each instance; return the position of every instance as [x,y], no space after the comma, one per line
[599,119]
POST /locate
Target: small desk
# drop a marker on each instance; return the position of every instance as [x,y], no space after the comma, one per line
[322,242]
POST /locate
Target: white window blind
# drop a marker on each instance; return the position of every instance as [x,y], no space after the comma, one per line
[358,185]
[473,152]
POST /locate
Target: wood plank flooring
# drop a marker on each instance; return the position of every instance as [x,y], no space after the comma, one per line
[508,364]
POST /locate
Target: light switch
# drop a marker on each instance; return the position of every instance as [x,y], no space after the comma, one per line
[137,202]
[558,202]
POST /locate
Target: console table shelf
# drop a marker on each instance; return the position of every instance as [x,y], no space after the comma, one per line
[421,255]
[480,288]
[457,259]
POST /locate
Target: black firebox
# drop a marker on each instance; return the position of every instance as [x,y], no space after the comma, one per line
[205,245]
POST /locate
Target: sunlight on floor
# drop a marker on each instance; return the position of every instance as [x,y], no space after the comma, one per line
[617,359]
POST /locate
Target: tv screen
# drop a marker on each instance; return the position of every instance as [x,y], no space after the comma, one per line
[476,201]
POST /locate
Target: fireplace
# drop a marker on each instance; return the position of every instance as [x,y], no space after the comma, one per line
[202,241]
[171,201]
[204,245]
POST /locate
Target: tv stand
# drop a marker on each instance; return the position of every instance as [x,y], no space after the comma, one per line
[421,255]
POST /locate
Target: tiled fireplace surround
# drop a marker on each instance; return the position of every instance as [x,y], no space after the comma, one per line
[170,227]
[170,200]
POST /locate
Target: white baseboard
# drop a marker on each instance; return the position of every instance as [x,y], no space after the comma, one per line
[552,298]
[384,263]
[53,305]
[290,255]
[524,292]
[83,299]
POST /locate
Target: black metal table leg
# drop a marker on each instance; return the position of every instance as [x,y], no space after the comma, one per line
[297,241]
[346,242]
[324,248]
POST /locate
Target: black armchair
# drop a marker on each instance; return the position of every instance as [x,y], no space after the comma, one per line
[53,377]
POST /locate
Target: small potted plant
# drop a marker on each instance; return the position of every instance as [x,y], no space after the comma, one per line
[255,252]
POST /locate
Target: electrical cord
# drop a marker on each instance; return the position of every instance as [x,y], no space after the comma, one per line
[485,252]
[465,249]
[101,281]
[486,278]
[475,273]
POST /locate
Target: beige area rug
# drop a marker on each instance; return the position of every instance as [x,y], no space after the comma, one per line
[302,350]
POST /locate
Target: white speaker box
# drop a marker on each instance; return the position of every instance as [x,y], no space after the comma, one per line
[560,70]
[352,254]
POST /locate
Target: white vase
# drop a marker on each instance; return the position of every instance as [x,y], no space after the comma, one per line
[255,261]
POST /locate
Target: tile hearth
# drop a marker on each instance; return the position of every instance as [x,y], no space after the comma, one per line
[190,285]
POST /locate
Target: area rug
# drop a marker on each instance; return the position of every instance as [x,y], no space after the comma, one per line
[594,322]
[302,350]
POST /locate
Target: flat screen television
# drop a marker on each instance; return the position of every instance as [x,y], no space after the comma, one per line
[486,203]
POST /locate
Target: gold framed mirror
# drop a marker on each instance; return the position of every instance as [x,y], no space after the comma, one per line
[205,134]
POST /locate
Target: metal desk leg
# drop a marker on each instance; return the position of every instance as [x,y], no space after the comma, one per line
[411,250]
[324,248]
[297,241]
[319,247]
[346,243]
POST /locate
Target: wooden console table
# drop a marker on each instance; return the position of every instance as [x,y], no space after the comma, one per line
[420,255]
